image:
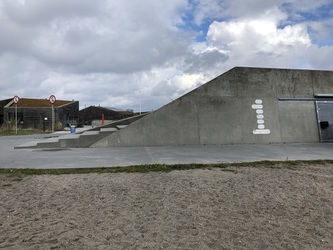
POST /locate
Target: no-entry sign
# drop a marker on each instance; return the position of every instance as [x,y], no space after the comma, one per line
[16,99]
[52,99]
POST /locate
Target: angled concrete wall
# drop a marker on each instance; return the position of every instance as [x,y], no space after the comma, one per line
[222,112]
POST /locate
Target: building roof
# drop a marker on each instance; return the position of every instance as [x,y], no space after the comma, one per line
[109,108]
[115,109]
[39,103]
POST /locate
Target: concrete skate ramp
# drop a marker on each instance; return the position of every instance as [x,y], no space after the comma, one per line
[243,105]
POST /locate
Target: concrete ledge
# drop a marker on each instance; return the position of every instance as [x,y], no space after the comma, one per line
[90,133]
[32,144]
[121,126]
[69,142]
[71,136]
[88,138]
[108,130]
[48,144]
[35,144]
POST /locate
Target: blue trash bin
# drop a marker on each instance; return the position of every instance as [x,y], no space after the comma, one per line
[73,129]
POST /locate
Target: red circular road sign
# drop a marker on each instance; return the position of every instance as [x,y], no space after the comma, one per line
[52,99]
[16,99]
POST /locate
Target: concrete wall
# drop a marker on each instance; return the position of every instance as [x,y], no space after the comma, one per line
[220,111]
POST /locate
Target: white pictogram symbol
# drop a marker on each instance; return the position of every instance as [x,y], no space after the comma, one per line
[260,119]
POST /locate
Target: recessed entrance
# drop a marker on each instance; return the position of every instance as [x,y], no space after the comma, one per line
[325,120]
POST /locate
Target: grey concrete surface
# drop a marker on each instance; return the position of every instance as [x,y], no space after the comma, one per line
[125,156]
[221,111]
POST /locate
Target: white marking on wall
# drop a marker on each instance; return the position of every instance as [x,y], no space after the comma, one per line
[258,107]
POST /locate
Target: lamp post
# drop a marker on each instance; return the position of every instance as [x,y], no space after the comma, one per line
[140,102]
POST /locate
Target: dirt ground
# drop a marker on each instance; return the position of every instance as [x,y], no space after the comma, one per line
[246,208]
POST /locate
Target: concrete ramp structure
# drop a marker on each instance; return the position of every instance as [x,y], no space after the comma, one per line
[80,139]
[243,105]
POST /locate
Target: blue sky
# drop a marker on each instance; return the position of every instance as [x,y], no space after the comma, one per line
[116,53]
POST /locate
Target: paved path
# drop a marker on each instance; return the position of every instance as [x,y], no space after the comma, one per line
[110,157]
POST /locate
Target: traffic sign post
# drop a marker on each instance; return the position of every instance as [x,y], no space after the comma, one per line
[52,100]
[16,99]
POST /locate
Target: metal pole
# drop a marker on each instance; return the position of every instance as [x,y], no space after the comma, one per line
[16,118]
[52,119]
[140,102]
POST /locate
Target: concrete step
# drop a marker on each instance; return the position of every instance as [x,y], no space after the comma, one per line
[84,140]
[121,126]
[90,133]
[66,141]
[108,130]
[81,139]
[69,141]
[32,144]
[88,138]
[49,143]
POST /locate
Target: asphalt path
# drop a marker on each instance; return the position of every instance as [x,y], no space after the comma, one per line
[126,156]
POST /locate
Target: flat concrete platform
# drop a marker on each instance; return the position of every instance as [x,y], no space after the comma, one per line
[125,156]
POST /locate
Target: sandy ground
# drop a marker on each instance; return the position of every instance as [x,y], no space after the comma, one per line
[248,208]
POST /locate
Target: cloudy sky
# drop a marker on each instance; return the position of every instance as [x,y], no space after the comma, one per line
[149,52]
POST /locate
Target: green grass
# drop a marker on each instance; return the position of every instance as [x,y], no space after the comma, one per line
[19,174]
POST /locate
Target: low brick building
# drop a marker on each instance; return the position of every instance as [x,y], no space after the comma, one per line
[37,113]
[3,103]
[92,113]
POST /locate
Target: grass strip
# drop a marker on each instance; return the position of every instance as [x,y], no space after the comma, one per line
[21,132]
[21,172]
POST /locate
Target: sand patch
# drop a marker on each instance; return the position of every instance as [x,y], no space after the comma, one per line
[250,208]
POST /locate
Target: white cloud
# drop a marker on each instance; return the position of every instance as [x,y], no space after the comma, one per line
[40,12]
[109,42]
[114,53]
[321,57]
[259,41]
